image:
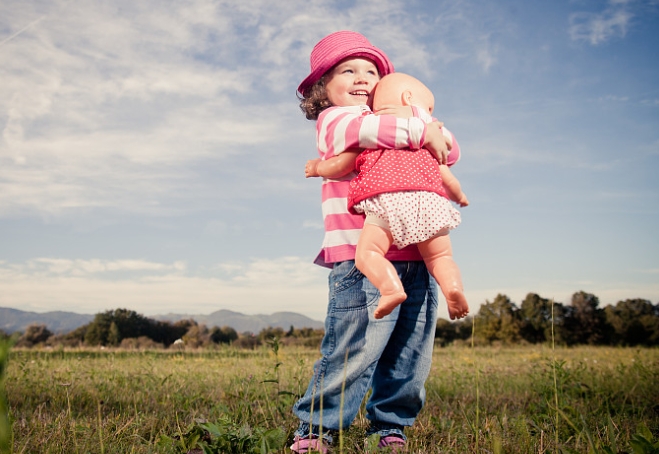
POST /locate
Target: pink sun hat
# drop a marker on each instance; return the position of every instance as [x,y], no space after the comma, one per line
[338,46]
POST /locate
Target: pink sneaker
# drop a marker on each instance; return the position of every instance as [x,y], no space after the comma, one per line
[393,443]
[308,445]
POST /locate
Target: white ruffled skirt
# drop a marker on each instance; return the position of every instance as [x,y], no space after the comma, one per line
[412,216]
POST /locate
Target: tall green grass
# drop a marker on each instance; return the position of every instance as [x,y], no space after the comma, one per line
[5,428]
[479,399]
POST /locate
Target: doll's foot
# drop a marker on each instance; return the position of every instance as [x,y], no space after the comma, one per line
[388,303]
[457,304]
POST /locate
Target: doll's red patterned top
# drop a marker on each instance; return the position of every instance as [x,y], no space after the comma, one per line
[381,171]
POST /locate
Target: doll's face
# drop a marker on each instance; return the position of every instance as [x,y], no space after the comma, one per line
[351,82]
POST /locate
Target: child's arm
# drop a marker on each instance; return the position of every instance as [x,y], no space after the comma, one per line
[452,186]
[340,128]
[439,146]
[437,143]
[335,167]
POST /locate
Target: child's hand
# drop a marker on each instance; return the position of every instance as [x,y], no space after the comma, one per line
[396,111]
[436,142]
[311,168]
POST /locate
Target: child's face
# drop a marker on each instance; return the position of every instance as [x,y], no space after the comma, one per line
[351,82]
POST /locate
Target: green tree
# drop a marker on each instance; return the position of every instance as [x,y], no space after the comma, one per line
[99,328]
[634,322]
[498,321]
[111,327]
[585,321]
[74,338]
[129,323]
[167,333]
[34,335]
[114,336]
[445,332]
[197,336]
[268,333]
[537,319]
[224,335]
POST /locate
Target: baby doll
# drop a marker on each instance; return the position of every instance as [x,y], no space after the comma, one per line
[405,197]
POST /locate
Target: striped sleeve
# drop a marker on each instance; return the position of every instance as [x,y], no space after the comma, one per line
[341,128]
[454,154]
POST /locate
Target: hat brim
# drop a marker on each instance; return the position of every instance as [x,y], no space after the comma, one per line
[378,57]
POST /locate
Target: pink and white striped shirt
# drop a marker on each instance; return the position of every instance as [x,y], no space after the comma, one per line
[342,128]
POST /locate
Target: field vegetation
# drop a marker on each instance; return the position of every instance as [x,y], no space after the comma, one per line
[515,399]
[538,378]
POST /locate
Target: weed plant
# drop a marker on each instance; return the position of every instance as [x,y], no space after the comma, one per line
[479,399]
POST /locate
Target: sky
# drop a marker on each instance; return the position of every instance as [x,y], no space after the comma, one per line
[152,153]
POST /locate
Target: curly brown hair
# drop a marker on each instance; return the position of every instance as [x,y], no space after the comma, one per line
[315,100]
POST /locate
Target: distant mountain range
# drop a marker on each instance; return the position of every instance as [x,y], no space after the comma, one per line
[58,322]
[254,323]
[12,320]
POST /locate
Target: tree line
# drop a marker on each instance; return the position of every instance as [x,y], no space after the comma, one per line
[124,328]
[632,322]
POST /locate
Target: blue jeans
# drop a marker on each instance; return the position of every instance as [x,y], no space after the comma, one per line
[391,356]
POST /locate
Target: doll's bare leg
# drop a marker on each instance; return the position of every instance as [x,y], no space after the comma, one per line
[438,256]
[373,244]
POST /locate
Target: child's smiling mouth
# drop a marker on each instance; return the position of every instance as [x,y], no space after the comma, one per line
[359,93]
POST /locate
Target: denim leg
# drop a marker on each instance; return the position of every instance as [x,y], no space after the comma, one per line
[392,354]
[399,378]
[350,351]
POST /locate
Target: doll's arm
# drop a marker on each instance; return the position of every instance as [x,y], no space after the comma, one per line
[452,186]
[335,167]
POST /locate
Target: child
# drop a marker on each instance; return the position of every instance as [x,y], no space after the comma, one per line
[405,198]
[391,356]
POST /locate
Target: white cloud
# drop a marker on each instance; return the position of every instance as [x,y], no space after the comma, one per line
[56,267]
[597,28]
[116,106]
[486,58]
[86,286]
[105,106]
[313,224]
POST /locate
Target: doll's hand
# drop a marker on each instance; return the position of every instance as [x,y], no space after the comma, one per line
[396,111]
[311,168]
[463,201]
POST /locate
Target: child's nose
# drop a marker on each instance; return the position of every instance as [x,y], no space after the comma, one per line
[361,78]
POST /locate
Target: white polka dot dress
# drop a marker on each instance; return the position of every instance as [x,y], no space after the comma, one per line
[403,188]
[413,216]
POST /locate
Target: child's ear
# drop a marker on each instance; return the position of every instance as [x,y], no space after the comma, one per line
[406,98]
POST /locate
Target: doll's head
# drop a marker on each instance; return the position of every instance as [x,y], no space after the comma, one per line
[325,56]
[398,89]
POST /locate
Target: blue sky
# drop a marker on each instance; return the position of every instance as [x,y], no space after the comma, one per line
[152,153]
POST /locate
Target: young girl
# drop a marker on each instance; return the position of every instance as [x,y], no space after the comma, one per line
[405,196]
[391,356]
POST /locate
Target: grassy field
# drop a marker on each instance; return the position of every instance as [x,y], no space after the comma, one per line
[481,400]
